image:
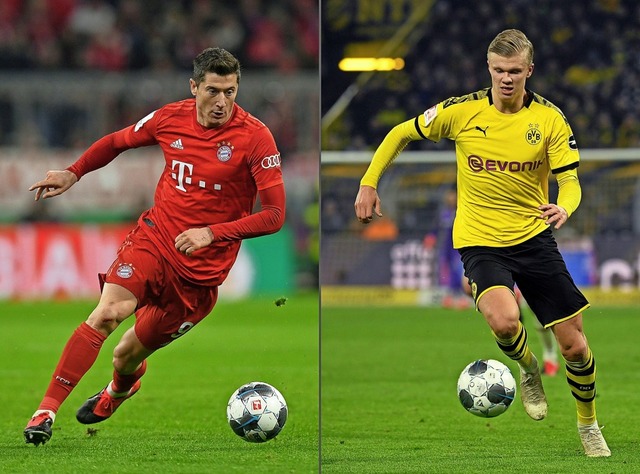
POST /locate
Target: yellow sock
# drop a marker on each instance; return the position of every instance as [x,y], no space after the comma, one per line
[581,377]
[517,348]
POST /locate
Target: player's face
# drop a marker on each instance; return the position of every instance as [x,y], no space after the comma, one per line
[215,96]
[508,78]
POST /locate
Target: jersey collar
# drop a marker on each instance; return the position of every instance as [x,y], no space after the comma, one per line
[527,102]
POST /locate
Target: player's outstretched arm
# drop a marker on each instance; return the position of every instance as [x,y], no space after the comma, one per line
[55,183]
[367,202]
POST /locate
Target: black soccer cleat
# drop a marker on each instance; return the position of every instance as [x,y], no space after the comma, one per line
[102,405]
[38,430]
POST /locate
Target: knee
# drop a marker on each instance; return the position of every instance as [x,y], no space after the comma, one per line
[504,324]
[505,329]
[106,317]
[574,350]
[501,312]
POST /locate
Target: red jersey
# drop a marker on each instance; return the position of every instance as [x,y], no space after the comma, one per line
[211,176]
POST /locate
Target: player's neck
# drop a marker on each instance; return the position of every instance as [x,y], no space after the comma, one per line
[511,106]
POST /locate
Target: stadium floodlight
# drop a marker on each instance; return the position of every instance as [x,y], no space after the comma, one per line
[371,64]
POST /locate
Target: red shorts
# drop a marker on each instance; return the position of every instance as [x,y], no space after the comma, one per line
[168,305]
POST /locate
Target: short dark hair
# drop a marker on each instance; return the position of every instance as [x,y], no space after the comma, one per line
[216,60]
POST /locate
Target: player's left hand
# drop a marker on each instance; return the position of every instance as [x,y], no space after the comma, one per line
[194,239]
[552,213]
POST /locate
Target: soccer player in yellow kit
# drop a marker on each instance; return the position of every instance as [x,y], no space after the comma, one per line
[508,139]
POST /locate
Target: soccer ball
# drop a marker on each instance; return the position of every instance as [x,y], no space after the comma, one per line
[486,388]
[257,412]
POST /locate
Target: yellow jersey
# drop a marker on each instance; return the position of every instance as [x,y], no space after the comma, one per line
[503,163]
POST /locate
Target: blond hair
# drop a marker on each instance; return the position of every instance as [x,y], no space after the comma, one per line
[511,43]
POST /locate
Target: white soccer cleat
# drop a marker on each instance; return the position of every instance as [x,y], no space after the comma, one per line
[593,442]
[532,394]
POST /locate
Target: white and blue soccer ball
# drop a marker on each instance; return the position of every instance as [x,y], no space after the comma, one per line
[486,388]
[257,412]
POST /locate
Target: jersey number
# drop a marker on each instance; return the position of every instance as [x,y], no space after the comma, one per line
[182,330]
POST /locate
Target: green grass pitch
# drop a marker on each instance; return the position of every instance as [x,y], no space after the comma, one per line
[389,403]
[177,422]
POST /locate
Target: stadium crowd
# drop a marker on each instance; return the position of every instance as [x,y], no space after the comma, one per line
[120,35]
[154,38]
[587,60]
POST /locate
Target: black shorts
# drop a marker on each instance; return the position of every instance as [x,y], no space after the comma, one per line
[539,270]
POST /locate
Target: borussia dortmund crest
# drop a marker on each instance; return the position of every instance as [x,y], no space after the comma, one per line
[533,135]
[474,289]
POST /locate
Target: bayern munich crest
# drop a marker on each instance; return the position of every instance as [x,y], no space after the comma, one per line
[124,270]
[225,150]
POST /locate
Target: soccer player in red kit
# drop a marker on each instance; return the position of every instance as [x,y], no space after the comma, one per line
[218,160]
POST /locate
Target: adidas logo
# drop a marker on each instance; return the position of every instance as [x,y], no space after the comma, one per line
[177,144]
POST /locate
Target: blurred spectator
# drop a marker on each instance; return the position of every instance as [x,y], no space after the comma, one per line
[265,45]
[92,17]
[333,218]
[7,126]
[107,51]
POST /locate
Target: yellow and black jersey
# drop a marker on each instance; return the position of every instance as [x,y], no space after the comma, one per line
[503,163]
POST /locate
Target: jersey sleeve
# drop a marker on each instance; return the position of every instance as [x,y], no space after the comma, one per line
[563,150]
[395,141]
[437,122]
[143,132]
[268,220]
[264,160]
[105,150]
[569,190]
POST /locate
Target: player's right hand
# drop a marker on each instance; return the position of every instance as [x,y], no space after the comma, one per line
[194,239]
[55,183]
[367,202]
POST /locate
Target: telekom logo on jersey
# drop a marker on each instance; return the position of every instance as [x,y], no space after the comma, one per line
[477,164]
[182,174]
[182,171]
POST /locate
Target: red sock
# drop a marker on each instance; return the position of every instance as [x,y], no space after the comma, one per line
[122,383]
[77,358]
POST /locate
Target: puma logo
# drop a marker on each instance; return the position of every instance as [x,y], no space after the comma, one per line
[484,131]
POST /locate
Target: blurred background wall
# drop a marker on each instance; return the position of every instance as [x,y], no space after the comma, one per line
[587,62]
[72,71]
